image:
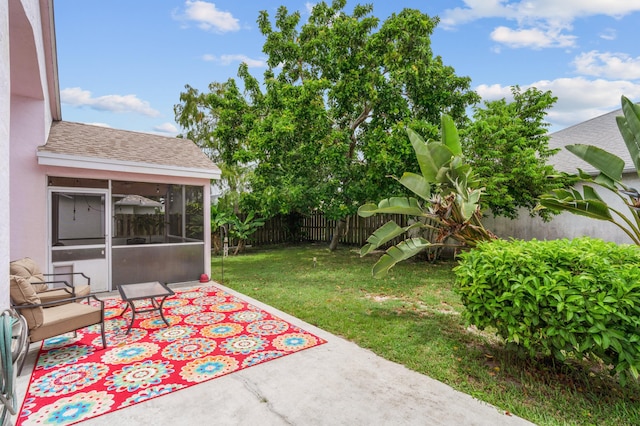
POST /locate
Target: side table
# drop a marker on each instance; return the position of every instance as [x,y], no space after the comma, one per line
[140,291]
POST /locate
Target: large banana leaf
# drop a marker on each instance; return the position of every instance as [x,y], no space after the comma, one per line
[469,204]
[589,205]
[450,135]
[609,164]
[420,148]
[432,156]
[393,205]
[384,234]
[417,184]
[629,126]
[402,251]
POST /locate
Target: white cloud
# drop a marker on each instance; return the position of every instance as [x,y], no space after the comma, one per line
[309,6]
[538,23]
[207,17]
[608,65]
[536,38]
[609,34]
[77,97]
[166,129]
[537,10]
[579,99]
[229,59]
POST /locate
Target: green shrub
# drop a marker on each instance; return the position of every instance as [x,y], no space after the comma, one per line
[576,297]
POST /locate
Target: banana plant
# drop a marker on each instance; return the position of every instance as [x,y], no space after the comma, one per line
[610,168]
[243,229]
[447,199]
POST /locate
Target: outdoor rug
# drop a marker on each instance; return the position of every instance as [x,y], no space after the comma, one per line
[212,333]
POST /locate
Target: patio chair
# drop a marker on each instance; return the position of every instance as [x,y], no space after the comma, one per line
[29,269]
[51,319]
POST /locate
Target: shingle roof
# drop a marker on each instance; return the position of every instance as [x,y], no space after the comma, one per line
[600,131]
[124,147]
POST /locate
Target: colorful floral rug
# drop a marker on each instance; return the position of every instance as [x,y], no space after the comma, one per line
[212,333]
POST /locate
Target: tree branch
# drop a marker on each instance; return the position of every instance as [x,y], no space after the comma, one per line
[357,122]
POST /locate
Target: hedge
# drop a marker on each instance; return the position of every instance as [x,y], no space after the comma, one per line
[577,297]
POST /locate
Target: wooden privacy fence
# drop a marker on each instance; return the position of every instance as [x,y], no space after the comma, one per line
[317,228]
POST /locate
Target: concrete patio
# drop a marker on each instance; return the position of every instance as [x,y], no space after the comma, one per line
[337,383]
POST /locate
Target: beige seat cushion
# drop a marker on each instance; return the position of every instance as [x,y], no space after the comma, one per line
[65,318]
[22,294]
[29,269]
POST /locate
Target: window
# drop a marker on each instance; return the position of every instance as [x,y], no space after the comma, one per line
[150,213]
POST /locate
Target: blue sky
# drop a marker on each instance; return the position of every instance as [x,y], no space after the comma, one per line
[123,63]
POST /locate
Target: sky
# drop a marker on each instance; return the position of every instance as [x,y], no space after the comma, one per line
[124,63]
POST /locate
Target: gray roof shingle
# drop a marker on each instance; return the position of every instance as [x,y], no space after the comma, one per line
[108,144]
[600,131]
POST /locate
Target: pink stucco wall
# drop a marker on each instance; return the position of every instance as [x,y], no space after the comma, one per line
[28,185]
[28,120]
[5,117]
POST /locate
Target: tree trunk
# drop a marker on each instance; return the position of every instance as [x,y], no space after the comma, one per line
[239,247]
[337,234]
[217,243]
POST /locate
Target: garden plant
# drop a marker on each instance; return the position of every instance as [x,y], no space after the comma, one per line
[610,169]
[448,200]
[566,298]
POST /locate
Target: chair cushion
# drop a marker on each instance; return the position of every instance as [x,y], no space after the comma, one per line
[22,294]
[29,269]
[65,318]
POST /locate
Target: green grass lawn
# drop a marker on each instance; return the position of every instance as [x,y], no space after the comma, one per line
[413,317]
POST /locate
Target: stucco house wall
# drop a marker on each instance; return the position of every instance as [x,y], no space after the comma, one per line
[5,116]
[565,225]
[27,71]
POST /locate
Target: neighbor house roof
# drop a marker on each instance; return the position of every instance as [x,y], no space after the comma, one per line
[137,200]
[600,131]
[104,148]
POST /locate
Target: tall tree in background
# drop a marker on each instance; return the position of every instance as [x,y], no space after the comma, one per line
[508,146]
[328,120]
[218,122]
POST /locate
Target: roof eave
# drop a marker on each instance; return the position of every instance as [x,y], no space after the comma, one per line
[64,160]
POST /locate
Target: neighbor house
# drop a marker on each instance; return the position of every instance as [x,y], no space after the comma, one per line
[602,132]
[68,190]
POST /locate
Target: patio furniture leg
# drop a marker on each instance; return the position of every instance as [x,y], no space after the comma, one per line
[159,307]
[133,315]
[104,339]
[125,309]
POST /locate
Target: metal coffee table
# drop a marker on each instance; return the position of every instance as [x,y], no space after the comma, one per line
[152,290]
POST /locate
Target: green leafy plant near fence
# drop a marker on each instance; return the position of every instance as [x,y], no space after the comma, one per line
[447,201]
[566,298]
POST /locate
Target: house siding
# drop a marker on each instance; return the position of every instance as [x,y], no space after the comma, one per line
[566,225]
[28,119]
[5,117]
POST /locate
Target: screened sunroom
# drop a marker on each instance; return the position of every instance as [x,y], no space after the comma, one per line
[124,221]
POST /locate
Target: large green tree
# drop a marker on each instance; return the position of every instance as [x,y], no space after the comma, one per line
[219,122]
[508,146]
[329,118]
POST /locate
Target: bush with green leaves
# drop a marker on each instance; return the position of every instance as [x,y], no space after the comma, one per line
[566,298]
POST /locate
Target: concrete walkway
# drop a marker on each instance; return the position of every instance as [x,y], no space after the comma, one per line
[337,383]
